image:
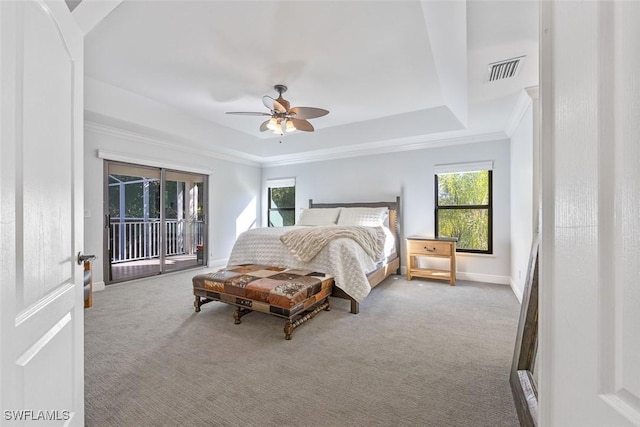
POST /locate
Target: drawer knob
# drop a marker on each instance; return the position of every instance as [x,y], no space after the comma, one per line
[429,249]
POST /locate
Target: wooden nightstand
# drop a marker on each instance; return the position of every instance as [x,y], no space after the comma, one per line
[438,247]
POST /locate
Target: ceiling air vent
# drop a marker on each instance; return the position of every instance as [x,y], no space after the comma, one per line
[505,69]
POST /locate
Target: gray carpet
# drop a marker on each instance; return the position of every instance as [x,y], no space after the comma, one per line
[420,353]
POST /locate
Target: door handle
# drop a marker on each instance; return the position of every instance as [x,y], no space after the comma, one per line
[83,258]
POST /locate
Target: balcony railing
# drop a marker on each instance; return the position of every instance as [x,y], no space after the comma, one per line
[136,239]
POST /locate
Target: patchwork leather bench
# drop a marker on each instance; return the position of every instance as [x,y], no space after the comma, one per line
[295,295]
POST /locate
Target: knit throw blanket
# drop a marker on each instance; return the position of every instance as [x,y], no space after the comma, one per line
[305,243]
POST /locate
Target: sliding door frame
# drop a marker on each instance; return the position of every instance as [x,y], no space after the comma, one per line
[201,257]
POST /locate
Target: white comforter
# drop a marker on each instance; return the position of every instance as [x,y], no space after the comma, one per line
[343,258]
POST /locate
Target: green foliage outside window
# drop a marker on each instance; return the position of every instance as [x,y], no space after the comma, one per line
[133,197]
[463,209]
[463,188]
[282,206]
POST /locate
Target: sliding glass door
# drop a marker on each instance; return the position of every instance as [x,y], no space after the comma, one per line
[154,221]
[184,214]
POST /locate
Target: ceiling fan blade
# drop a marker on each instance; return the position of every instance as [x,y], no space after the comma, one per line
[248,113]
[284,105]
[302,125]
[273,104]
[307,112]
[263,126]
[268,101]
[280,107]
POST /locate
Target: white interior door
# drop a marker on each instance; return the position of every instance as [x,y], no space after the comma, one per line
[590,255]
[41,211]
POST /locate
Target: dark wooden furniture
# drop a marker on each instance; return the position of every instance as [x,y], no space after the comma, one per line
[292,294]
[88,285]
[391,266]
[437,247]
[85,261]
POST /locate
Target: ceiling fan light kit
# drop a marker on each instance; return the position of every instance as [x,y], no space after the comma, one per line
[283,117]
[272,123]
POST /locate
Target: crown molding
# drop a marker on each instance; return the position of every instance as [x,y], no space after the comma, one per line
[524,101]
[231,156]
[533,92]
[380,147]
[419,142]
[128,158]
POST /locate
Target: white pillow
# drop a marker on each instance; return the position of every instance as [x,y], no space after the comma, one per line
[366,217]
[318,216]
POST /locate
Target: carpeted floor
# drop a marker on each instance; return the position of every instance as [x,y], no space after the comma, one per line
[420,353]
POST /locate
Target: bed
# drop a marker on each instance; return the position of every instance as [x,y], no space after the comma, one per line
[355,272]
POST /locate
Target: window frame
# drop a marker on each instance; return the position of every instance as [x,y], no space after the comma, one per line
[488,207]
[279,183]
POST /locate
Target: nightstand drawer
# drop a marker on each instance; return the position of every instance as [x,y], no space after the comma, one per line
[429,247]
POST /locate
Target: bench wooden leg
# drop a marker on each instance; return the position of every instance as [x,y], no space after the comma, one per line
[290,325]
[238,313]
[288,329]
[200,301]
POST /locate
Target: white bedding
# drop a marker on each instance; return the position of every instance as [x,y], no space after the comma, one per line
[343,258]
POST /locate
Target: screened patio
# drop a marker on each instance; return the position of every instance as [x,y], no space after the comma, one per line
[143,239]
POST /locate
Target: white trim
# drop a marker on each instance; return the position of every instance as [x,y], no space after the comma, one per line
[231,155]
[474,277]
[126,158]
[516,290]
[524,102]
[413,143]
[380,147]
[480,277]
[533,92]
[486,165]
[280,182]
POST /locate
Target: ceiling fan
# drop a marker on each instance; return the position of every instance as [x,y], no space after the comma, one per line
[283,118]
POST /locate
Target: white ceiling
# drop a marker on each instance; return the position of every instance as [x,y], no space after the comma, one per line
[388,71]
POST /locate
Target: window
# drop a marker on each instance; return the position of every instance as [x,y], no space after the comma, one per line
[463,206]
[281,207]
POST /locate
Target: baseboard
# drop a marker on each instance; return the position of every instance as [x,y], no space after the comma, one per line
[479,277]
[218,263]
[517,291]
[475,277]
[98,286]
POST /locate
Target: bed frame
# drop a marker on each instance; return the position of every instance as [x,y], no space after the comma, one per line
[387,269]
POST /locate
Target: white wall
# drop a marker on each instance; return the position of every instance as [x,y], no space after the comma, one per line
[522,224]
[233,190]
[410,175]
